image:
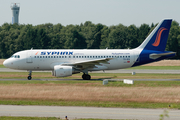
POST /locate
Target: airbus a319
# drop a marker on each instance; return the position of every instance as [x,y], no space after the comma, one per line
[65,62]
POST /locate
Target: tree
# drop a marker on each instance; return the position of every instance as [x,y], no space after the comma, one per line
[117,38]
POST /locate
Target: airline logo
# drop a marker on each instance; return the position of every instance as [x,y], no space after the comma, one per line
[36,53]
[158,37]
[57,53]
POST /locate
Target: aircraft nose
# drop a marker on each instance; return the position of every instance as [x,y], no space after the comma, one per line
[6,63]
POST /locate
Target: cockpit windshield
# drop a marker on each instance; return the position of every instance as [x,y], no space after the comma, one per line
[15,56]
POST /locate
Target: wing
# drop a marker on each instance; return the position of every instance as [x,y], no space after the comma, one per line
[88,63]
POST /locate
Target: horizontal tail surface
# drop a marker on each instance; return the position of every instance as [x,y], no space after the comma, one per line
[158,37]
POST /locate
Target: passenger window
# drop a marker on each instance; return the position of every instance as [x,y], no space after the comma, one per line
[48,56]
[87,56]
[98,56]
[37,56]
[90,56]
[65,56]
[69,56]
[76,56]
[34,56]
[59,56]
[106,56]
[82,56]
[54,56]
[73,56]
[79,56]
[62,56]
[40,56]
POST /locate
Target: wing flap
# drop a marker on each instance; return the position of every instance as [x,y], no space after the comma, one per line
[88,63]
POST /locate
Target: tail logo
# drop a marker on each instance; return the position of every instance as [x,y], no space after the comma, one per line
[158,37]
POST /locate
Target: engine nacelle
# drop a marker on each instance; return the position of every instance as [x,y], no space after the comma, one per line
[62,71]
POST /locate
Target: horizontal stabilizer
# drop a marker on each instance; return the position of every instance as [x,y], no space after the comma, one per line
[155,56]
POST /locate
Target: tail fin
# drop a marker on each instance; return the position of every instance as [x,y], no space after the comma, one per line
[157,39]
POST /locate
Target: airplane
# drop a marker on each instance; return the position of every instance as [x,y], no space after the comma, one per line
[65,62]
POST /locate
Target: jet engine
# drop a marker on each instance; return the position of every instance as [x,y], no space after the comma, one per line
[62,71]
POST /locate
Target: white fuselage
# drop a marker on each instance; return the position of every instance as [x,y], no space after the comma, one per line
[47,59]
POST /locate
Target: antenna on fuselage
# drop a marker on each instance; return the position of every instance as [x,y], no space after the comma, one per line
[32,48]
[106,48]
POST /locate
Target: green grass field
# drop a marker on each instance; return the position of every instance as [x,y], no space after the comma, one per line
[157,67]
[96,82]
[93,83]
[39,118]
[94,76]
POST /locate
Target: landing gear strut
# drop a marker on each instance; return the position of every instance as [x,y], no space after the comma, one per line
[30,73]
[86,77]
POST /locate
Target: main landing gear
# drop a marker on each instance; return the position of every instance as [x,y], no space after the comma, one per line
[86,77]
[30,73]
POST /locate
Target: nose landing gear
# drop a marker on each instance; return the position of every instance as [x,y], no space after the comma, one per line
[30,73]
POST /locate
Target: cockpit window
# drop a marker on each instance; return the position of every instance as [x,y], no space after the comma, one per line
[12,56]
[15,56]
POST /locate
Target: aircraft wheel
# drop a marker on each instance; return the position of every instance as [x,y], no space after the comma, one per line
[83,76]
[88,77]
[29,77]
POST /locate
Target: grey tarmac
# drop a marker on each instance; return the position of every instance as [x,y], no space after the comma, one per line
[87,112]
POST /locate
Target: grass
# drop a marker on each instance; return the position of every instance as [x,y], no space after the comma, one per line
[28,118]
[143,94]
[41,118]
[94,83]
[94,76]
[58,92]
[2,66]
[152,105]
[157,67]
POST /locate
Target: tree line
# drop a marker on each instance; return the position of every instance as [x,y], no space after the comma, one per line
[14,37]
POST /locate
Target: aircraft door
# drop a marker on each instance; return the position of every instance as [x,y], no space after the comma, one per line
[29,58]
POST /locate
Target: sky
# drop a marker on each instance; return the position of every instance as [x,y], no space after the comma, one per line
[106,12]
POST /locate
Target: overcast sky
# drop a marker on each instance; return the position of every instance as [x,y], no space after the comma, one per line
[107,12]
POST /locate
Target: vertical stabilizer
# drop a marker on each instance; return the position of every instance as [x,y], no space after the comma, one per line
[157,39]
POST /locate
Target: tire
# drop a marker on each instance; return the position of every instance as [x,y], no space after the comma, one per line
[29,77]
[88,77]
